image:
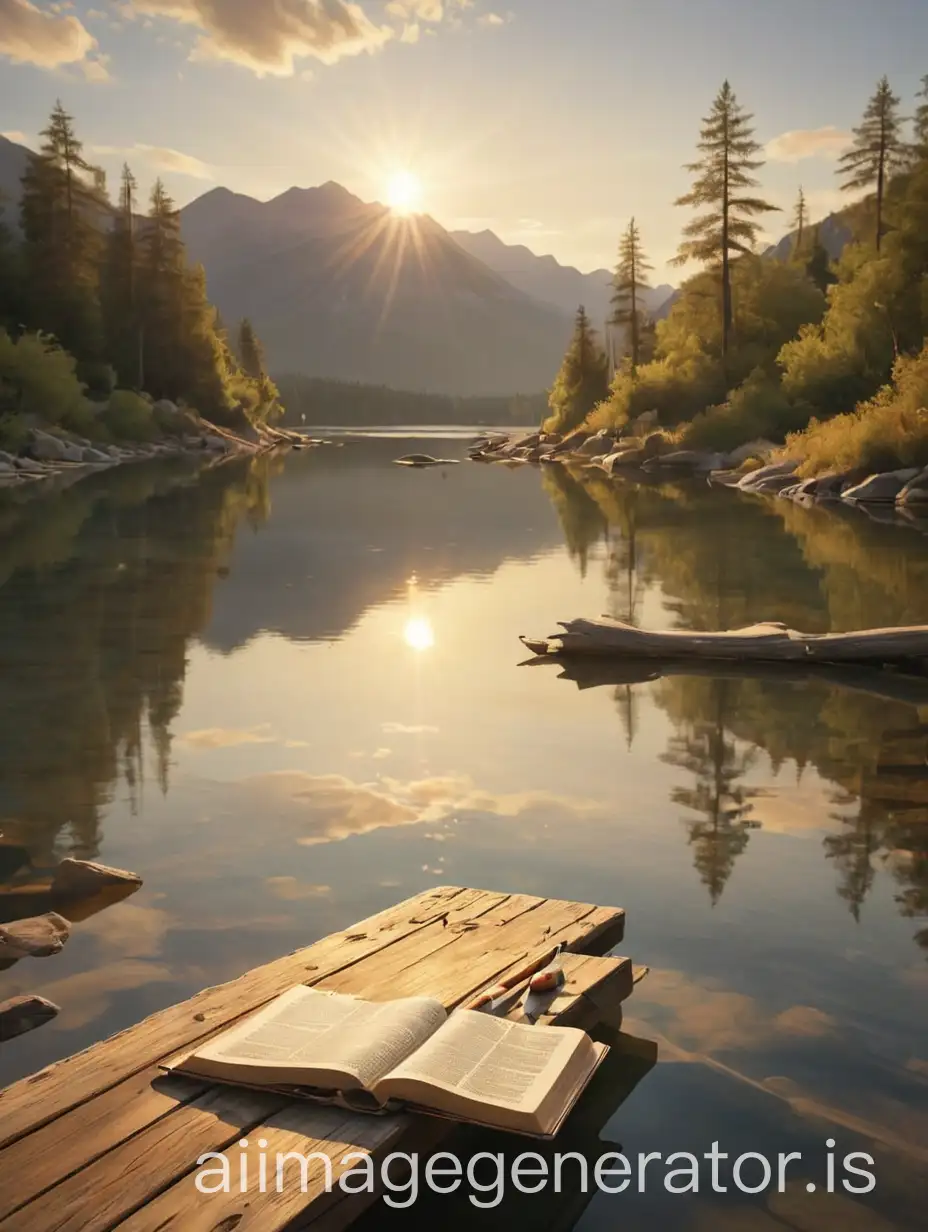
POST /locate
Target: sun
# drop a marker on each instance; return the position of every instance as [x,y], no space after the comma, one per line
[404,192]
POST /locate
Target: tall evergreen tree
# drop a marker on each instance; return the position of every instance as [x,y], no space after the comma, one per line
[920,120]
[250,351]
[120,288]
[10,277]
[631,279]
[878,150]
[800,219]
[583,380]
[62,241]
[182,354]
[723,174]
[818,263]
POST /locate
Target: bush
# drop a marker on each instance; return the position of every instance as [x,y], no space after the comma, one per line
[887,433]
[758,409]
[38,378]
[129,417]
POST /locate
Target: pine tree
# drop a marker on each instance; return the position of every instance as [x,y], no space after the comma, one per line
[250,351]
[120,289]
[800,218]
[182,353]
[920,144]
[723,173]
[631,279]
[583,380]
[62,241]
[10,277]
[877,152]
[818,263]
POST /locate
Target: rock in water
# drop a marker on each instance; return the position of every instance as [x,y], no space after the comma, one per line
[76,878]
[39,937]
[425,459]
[22,1014]
[880,488]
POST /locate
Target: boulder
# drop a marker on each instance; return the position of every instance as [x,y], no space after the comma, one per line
[95,457]
[30,466]
[654,444]
[773,485]
[753,479]
[753,449]
[216,443]
[165,407]
[649,419]
[22,1014]
[47,448]
[880,489]
[7,468]
[39,937]
[600,444]
[528,442]
[623,457]
[76,878]
[7,458]
[915,491]
[573,441]
[688,460]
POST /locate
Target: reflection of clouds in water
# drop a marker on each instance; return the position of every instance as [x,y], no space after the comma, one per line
[227,737]
[87,996]
[292,890]
[707,1020]
[129,930]
[404,729]
[796,809]
[330,807]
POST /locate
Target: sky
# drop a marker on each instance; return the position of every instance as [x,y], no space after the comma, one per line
[551,122]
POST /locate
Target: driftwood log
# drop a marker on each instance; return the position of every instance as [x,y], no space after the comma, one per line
[762,643]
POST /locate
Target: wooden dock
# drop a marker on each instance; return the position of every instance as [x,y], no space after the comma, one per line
[105,1140]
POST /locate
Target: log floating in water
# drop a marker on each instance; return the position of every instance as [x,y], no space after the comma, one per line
[762,643]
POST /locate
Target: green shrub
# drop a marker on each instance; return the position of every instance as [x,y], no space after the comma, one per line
[886,433]
[129,417]
[758,409]
[38,378]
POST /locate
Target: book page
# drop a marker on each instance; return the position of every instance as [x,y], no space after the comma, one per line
[306,1030]
[491,1060]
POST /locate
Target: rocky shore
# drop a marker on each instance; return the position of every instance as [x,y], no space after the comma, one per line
[47,453]
[758,467]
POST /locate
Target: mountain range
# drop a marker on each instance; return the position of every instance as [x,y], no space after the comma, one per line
[344,289]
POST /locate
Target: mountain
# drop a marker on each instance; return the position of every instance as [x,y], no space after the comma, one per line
[342,289]
[545,279]
[13,160]
[835,233]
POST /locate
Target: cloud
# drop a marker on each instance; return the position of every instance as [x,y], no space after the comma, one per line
[222,737]
[270,36]
[493,19]
[96,68]
[30,35]
[801,143]
[403,729]
[15,135]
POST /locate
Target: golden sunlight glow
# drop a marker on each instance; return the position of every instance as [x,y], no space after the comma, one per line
[419,634]
[404,192]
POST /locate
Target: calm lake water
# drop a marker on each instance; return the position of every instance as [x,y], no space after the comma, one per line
[289,694]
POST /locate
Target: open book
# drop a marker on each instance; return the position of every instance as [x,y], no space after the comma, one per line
[469,1066]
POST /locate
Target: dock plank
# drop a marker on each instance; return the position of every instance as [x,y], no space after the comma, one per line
[99,1141]
[68,1083]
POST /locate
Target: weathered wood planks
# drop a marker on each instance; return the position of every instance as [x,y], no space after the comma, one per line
[769,642]
[105,1140]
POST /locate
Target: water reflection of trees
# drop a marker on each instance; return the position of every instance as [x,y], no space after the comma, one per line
[101,588]
[721,561]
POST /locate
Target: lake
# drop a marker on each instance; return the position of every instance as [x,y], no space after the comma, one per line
[290,692]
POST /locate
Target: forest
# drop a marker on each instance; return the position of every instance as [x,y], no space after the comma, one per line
[102,316]
[829,357]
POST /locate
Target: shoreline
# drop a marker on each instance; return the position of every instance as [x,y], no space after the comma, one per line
[50,455]
[893,497]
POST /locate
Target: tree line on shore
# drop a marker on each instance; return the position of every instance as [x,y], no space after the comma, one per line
[829,355]
[99,304]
